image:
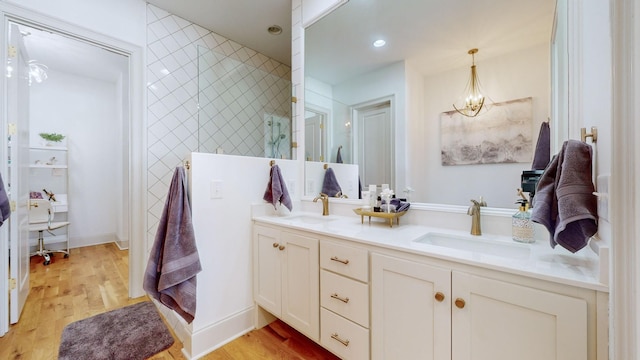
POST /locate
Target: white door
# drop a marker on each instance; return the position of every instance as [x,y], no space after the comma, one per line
[18,114]
[374,144]
[495,320]
[410,310]
[313,129]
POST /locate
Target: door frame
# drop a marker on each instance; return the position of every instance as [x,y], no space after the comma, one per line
[355,113]
[326,129]
[137,140]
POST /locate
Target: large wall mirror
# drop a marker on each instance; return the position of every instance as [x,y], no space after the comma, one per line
[382,107]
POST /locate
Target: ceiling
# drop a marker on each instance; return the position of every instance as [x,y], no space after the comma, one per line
[63,54]
[243,21]
[434,35]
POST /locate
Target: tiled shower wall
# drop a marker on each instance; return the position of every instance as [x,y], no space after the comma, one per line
[244,110]
[172,96]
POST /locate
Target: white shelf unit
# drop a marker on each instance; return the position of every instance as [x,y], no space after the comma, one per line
[49,170]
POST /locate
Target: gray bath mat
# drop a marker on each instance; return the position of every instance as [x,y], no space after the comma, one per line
[131,332]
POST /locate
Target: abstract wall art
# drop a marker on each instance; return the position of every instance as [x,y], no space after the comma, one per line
[501,135]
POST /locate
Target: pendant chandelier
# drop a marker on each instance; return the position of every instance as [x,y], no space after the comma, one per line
[472,100]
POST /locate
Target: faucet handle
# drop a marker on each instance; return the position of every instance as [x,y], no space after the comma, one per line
[482,202]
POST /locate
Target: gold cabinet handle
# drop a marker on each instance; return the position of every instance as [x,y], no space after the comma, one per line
[460,303]
[335,258]
[336,337]
[281,247]
[439,297]
[337,297]
[275,245]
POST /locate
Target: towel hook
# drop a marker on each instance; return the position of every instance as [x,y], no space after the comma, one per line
[272,162]
[593,135]
[187,165]
[326,166]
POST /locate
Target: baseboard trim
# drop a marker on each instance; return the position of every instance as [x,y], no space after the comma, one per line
[216,335]
[199,343]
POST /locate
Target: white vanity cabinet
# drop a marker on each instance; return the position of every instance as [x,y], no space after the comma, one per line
[286,277]
[498,320]
[344,297]
[408,319]
[420,311]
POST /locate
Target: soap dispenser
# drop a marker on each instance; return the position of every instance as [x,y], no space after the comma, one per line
[522,226]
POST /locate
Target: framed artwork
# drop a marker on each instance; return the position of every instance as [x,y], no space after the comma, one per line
[501,135]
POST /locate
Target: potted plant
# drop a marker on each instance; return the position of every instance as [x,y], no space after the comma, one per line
[51,137]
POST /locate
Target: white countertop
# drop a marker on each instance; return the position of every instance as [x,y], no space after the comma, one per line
[537,260]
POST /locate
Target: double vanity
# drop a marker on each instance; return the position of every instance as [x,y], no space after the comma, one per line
[368,291]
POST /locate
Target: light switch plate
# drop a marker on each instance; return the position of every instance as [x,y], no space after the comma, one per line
[310,187]
[291,187]
[216,189]
[603,196]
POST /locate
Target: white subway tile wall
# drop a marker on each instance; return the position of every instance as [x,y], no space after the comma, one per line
[172,96]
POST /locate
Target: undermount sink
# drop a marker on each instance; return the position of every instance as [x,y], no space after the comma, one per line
[310,219]
[476,245]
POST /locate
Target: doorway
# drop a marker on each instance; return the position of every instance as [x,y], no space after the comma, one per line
[316,122]
[373,143]
[99,149]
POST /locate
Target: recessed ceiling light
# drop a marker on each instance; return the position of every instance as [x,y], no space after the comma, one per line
[379,43]
[274,30]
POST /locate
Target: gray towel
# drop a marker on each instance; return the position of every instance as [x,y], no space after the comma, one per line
[564,201]
[5,207]
[277,190]
[170,276]
[543,148]
[330,184]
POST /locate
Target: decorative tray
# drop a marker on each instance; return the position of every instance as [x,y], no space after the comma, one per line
[384,215]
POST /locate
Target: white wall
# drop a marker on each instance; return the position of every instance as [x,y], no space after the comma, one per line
[513,76]
[223,231]
[386,82]
[86,111]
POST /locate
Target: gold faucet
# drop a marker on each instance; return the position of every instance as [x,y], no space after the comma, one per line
[325,203]
[474,211]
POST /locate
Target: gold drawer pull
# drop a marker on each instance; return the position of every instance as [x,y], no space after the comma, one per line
[335,258]
[460,303]
[337,297]
[335,337]
[439,296]
[275,245]
[281,247]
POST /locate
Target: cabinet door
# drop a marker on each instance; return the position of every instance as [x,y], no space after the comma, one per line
[499,320]
[301,284]
[267,269]
[410,310]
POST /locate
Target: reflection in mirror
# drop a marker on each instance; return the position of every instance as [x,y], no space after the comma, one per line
[420,72]
[242,109]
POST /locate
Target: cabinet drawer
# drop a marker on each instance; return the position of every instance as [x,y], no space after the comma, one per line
[343,337]
[344,296]
[345,260]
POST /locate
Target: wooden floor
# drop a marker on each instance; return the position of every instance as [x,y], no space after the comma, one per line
[94,280]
